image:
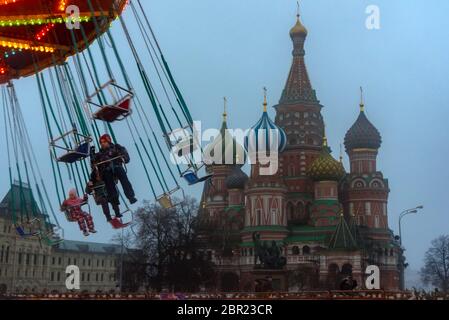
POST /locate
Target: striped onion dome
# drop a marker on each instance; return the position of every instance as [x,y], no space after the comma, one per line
[232,152]
[266,128]
[362,134]
[325,167]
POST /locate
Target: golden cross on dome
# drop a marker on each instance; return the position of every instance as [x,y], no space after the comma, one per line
[297,13]
[225,107]
[265,102]
[362,105]
[325,144]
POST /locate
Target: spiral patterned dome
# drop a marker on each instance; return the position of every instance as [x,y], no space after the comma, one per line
[325,167]
[362,134]
[270,132]
[237,179]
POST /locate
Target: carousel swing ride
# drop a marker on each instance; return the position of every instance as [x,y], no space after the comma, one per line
[84,90]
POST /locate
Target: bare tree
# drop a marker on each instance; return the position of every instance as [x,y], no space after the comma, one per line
[166,247]
[436,264]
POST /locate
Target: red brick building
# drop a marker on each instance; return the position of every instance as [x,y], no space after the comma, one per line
[328,223]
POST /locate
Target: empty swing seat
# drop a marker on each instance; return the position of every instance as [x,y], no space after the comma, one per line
[80,153]
[192,178]
[49,241]
[115,112]
[21,231]
[165,201]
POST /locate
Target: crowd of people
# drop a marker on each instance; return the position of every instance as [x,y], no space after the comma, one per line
[305,295]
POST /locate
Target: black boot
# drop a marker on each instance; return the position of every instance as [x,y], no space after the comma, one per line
[117,211]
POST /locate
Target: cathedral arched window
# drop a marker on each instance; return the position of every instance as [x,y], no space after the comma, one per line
[305,250]
[300,211]
[258,216]
[308,209]
[346,269]
[291,170]
[290,211]
[376,222]
[359,183]
[376,184]
[273,216]
[295,250]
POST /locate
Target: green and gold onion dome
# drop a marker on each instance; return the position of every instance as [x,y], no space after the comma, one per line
[325,167]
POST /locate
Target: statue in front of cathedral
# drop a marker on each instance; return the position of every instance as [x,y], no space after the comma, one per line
[267,256]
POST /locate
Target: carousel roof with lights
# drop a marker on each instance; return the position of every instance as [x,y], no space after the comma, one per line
[34,33]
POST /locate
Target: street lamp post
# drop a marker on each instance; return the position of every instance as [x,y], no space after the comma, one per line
[402,261]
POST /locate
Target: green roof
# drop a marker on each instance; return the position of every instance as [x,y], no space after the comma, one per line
[307,228]
[327,202]
[21,201]
[236,208]
[343,237]
[316,238]
[265,228]
[251,244]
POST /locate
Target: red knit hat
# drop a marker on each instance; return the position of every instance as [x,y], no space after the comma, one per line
[105,138]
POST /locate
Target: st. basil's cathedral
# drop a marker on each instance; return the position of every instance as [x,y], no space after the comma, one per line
[323,223]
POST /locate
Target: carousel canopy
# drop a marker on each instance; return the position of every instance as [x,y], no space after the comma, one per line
[34,33]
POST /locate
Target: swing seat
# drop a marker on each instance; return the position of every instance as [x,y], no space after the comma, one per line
[165,201]
[80,153]
[51,241]
[99,194]
[192,178]
[118,224]
[22,233]
[115,112]
[185,147]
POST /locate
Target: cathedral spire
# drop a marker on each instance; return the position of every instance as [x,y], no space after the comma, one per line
[298,88]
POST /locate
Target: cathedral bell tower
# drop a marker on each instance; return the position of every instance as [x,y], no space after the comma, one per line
[365,189]
[299,114]
[265,194]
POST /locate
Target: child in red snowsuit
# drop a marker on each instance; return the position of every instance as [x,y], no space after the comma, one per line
[73,206]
